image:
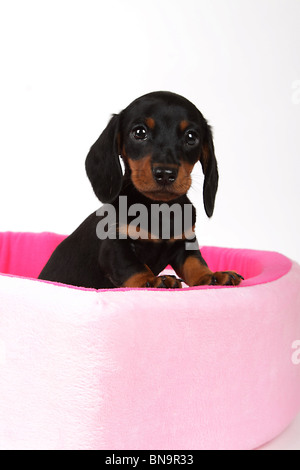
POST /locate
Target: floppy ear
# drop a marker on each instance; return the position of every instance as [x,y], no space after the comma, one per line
[210,170]
[103,165]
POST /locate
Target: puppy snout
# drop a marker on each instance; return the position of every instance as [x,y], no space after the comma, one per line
[164,176]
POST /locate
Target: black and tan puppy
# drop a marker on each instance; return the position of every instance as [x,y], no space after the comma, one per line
[160,137]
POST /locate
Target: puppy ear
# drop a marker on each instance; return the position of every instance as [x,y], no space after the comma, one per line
[103,164]
[210,170]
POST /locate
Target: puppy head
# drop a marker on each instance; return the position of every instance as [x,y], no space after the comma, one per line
[160,137]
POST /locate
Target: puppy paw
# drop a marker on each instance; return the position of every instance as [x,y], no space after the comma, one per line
[147,279]
[164,282]
[225,278]
[220,278]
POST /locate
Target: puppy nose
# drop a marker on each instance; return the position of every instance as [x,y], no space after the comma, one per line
[165,176]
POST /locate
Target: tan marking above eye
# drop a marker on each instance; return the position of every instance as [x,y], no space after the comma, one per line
[183,125]
[150,122]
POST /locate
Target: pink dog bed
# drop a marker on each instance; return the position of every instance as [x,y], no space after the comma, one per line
[194,368]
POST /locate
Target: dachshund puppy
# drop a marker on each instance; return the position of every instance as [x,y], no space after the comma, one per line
[160,137]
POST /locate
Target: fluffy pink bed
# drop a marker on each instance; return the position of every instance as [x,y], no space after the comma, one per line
[194,368]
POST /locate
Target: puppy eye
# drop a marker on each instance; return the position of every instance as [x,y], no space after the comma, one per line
[191,138]
[139,133]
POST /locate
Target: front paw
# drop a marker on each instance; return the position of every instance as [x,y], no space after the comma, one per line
[225,278]
[164,282]
[146,278]
[221,278]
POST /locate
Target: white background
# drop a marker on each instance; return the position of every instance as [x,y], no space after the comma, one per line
[67,65]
